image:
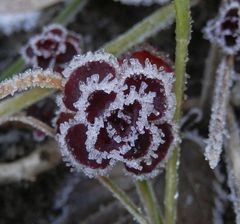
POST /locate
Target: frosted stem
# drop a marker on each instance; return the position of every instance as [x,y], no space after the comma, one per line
[219,109]
[233,162]
[124,199]
[29,120]
[29,79]
[149,201]
[183,29]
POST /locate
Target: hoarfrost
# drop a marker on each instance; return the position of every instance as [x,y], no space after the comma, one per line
[217,124]
[29,79]
[10,23]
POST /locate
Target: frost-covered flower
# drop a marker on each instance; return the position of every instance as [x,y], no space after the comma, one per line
[114,111]
[143,2]
[225,28]
[53,48]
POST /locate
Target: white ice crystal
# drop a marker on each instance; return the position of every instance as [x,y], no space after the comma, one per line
[217,129]
[143,2]
[10,23]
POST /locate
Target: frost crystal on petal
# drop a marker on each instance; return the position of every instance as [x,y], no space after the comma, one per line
[225,28]
[217,124]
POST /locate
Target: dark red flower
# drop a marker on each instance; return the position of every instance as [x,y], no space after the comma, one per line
[225,28]
[116,112]
[53,48]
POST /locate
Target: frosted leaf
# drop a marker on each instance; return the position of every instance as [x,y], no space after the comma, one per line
[29,79]
[225,28]
[143,2]
[217,129]
[10,23]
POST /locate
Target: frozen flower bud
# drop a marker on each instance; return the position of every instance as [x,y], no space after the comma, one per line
[53,48]
[115,111]
[225,28]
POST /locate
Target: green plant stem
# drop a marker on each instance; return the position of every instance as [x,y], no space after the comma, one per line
[69,12]
[159,20]
[183,28]
[15,104]
[63,18]
[124,199]
[149,200]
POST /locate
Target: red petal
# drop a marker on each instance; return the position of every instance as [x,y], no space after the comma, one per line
[63,117]
[121,125]
[153,85]
[68,55]
[105,143]
[161,152]
[43,62]
[76,138]
[49,45]
[141,148]
[71,89]
[154,59]
[99,101]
